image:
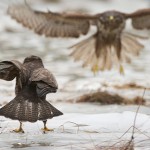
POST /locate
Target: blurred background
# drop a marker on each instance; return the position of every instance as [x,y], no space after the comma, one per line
[17,42]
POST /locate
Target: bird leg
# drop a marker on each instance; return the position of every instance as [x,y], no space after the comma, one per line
[20,129]
[121,70]
[45,128]
[95,68]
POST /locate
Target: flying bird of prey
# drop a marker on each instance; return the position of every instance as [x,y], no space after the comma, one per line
[109,46]
[33,83]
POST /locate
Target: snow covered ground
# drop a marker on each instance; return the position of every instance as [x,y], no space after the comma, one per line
[84,126]
[77,131]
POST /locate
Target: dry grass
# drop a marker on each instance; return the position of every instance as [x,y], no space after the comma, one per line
[130,86]
[129,145]
[121,146]
[106,98]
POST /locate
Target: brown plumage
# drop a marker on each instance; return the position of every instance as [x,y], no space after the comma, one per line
[33,82]
[109,46]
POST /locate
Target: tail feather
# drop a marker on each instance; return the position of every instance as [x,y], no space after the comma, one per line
[9,110]
[91,58]
[32,112]
[46,110]
[54,111]
[16,108]
[41,113]
[81,50]
[125,55]
[22,111]
[107,55]
[108,61]
[102,59]
[131,44]
[86,51]
[26,110]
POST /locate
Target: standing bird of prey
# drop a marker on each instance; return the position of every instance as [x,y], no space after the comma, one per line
[109,46]
[33,82]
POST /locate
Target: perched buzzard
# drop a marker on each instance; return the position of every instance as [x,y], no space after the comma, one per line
[33,82]
[107,47]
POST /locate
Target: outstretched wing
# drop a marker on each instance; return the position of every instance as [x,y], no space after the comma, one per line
[45,82]
[9,69]
[140,19]
[51,24]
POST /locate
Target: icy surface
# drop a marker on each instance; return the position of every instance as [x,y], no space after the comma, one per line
[77,131]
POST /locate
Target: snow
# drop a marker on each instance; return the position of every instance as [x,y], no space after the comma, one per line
[76,131]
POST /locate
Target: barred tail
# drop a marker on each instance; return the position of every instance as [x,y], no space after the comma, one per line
[92,54]
[26,110]
[87,50]
[130,46]
[46,110]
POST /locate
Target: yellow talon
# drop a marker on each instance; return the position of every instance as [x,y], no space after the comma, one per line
[20,130]
[95,69]
[121,70]
[45,128]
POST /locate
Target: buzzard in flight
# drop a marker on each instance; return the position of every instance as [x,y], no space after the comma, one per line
[33,82]
[109,46]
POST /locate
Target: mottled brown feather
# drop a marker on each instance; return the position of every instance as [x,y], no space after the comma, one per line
[9,69]
[140,18]
[29,105]
[105,48]
[51,24]
[45,76]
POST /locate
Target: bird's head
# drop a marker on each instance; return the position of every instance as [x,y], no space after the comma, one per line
[33,61]
[112,20]
[32,58]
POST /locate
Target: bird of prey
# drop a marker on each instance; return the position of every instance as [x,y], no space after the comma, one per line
[108,47]
[33,83]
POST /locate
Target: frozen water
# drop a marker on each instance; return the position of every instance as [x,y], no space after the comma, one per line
[76,131]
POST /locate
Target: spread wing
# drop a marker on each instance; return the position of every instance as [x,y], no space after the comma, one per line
[140,19]
[51,24]
[45,82]
[9,69]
